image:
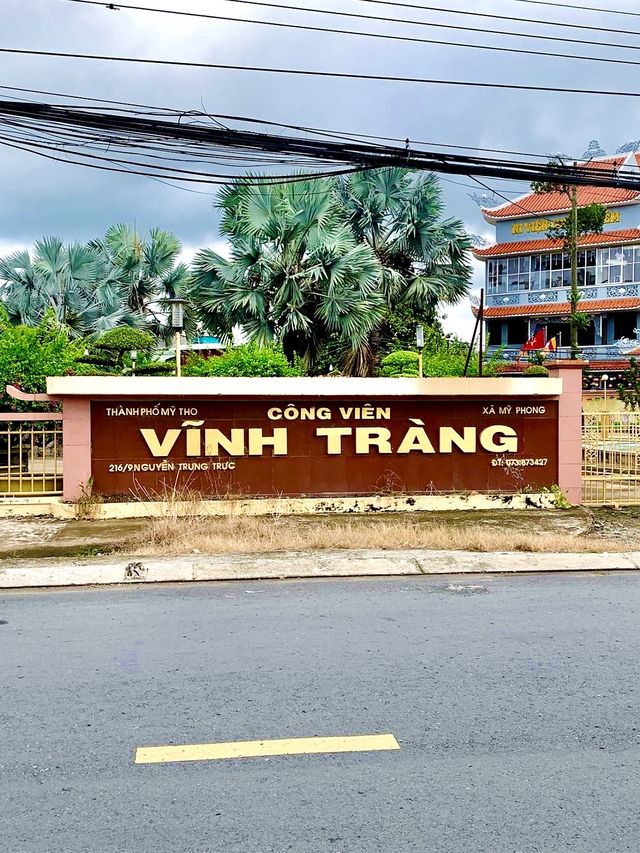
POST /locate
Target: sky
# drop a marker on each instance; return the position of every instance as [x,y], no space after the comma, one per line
[40,197]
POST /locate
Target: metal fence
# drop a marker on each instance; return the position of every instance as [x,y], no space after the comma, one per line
[30,454]
[611,458]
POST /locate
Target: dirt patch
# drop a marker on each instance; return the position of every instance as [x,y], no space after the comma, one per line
[573,531]
[482,532]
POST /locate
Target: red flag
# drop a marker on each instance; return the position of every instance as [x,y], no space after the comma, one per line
[535,342]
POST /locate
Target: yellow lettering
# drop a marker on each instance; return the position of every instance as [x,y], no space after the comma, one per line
[334,437]
[416,439]
[465,442]
[258,441]
[193,442]
[160,448]
[509,443]
[214,439]
[374,437]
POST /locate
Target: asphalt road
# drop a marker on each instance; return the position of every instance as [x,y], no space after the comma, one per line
[515,702]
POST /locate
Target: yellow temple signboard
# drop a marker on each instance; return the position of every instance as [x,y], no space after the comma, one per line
[538,225]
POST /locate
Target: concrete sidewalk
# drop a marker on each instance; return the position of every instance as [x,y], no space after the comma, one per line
[42,552]
[298,564]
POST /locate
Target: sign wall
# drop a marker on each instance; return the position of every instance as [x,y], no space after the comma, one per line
[273,447]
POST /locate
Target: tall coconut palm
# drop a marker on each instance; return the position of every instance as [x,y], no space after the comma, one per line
[323,263]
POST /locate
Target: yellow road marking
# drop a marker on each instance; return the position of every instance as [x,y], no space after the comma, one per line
[257,748]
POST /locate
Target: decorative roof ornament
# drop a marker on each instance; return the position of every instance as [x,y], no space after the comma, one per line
[625,345]
[478,240]
[485,200]
[474,300]
[628,147]
[594,149]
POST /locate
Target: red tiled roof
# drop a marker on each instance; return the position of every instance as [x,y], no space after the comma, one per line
[555,202]
[587,306]
[537,203]
[526,247]
[606,163]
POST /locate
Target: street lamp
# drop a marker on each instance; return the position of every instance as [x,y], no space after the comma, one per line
[134,357]
[420,344]
[604,380]
[177,325]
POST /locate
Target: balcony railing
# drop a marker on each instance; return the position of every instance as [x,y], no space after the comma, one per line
[554,295]
[604,352]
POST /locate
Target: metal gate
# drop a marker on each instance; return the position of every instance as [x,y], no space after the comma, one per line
[610,458]
[30,454]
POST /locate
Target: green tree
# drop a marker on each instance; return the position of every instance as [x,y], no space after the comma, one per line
[323,265]
[54,278]
[629,388]
[111,353]
[580,221]
[28,354]
[138,275]
[122,279]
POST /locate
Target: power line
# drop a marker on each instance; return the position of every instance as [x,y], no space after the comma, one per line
[133,132]
[335,30]
[343,75]
[347,135]
[579,8]
[392,37]
[413,22]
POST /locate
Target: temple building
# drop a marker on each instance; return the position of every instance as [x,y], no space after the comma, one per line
[528,275]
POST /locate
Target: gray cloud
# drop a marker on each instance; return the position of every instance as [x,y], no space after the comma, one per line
[41,197]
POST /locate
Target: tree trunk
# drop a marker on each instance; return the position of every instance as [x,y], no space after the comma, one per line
[575,294]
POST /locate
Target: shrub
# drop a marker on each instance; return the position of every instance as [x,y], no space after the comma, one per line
[441,356]
[245,360]
[125,339]
[401,363]
[28,354]
[535,370]
[110,354]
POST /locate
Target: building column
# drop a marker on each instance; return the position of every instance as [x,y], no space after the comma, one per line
[76,447]
[598,322]
[611,331]
[569,426]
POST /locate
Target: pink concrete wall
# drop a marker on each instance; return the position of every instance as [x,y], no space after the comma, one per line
[76,442]
[570,427]
[77,435]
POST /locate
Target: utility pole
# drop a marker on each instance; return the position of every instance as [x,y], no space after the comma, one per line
[573,250]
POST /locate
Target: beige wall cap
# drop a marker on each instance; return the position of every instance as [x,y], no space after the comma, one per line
[134,387]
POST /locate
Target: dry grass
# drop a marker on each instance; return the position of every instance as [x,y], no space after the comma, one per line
[172,535]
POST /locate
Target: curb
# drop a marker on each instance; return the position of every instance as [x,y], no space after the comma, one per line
[304,564]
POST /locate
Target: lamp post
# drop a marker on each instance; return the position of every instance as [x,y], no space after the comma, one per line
[177,325]
[420,344]
[604,380]
[134,357]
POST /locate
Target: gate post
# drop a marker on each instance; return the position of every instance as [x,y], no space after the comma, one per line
[569,426]
[76,447]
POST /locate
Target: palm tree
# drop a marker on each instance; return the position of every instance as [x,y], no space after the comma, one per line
[424,259]
[55,277]
[318,264]
[121,279]
[297,274]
